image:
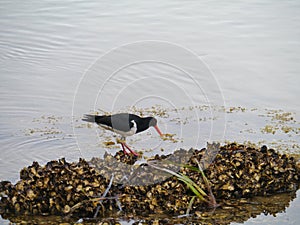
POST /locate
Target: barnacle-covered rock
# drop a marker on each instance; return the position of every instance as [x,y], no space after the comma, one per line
[104,186]
[57,188]
[240,171]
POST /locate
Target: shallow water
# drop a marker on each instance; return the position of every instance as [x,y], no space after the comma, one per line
[60,60]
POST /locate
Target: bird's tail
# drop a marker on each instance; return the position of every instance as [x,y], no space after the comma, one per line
[91,118]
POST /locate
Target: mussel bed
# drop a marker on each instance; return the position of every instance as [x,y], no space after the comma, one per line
[84,189]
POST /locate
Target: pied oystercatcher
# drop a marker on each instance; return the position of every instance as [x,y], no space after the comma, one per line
[124,124]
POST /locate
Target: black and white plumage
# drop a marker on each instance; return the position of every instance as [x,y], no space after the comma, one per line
[124,124]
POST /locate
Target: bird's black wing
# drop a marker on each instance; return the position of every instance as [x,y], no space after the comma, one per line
[119,121]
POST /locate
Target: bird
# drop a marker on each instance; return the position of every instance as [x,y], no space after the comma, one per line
[125,124]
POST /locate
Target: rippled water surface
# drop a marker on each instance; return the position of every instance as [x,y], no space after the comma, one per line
[208,70]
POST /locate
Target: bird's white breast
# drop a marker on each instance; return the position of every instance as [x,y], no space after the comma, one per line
[131,132]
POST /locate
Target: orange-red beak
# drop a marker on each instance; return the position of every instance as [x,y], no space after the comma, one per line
[158,130]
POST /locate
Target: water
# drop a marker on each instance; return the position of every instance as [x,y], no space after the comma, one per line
[56,58]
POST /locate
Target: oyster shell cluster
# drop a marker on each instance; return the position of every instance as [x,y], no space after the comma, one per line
[240,171]
[84,189]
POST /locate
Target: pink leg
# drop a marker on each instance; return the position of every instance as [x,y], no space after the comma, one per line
[130,149]
[124,150]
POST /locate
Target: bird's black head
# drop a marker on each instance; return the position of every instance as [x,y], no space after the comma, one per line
[149,122]
[152,122]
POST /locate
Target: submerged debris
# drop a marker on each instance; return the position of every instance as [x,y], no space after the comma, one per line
[84,189]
